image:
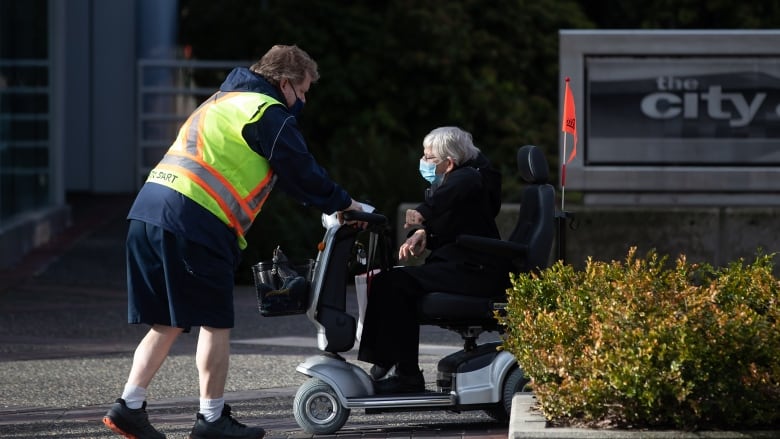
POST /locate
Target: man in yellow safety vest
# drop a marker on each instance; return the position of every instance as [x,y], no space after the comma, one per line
[188,223]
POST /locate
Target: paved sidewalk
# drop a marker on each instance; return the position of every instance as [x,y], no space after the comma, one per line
[65,350]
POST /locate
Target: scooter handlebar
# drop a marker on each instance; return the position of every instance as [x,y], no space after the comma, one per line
[373,219]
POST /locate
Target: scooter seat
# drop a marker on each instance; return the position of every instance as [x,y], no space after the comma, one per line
[447,309]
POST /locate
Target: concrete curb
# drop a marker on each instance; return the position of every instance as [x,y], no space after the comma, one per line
[528,423]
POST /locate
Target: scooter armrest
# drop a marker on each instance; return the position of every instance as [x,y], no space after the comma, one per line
[506,249]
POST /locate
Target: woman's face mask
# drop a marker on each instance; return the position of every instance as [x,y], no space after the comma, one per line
[428,171]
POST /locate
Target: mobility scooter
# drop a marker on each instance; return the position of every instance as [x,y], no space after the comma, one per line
[478,377]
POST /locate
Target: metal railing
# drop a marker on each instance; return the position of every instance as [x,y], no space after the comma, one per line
[25,125]
[168,91]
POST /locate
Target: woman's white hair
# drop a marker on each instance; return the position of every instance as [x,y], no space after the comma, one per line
[451,142]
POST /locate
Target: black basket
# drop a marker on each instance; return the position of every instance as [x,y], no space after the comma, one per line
[283,289]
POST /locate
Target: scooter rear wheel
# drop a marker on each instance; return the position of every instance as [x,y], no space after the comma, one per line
[317,409]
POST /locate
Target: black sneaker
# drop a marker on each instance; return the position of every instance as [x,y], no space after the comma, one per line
[130,423]
[224,427]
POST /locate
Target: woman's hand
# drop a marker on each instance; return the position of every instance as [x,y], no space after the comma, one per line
[413,219]
[414,245]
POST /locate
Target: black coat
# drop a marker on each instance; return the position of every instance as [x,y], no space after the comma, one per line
[465,203]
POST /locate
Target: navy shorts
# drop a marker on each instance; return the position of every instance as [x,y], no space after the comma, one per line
[176,282]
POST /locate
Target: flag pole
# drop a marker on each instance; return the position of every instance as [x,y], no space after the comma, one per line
[563,173]
[569,126]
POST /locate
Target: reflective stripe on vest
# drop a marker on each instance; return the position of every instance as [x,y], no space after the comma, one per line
[211,163]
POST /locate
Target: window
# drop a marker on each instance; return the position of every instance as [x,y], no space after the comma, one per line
[24,107]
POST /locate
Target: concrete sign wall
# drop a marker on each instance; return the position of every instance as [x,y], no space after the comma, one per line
[675,117]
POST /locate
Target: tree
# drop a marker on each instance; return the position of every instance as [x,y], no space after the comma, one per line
[393,70]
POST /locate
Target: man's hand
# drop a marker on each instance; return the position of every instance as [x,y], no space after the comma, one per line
[356,206]
[414,245]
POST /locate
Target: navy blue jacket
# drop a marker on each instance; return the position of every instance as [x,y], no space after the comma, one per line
[277,138]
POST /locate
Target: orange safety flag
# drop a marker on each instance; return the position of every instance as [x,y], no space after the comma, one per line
[569,119]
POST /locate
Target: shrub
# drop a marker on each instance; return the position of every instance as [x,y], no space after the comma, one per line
[644,343]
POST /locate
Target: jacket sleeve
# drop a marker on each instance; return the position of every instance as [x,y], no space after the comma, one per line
[277,138]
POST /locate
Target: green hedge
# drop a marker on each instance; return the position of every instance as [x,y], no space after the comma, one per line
[645,343]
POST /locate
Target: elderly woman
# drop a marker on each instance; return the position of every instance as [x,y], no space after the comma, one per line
[464,198]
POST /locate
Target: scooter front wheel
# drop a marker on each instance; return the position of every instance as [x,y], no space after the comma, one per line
[317,409]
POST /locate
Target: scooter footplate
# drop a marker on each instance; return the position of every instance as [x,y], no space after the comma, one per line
[425,399]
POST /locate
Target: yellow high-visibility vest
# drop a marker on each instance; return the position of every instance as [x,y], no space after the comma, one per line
[211,163]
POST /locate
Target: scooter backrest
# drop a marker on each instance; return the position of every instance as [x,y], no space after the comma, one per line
[536,220]
[532,165]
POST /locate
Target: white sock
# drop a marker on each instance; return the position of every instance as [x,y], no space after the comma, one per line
[211,409]
[134,396]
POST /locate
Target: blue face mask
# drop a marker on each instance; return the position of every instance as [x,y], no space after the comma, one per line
[428,172]
[297,106]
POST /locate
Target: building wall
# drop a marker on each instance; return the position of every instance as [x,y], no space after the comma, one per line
[113,85]
[715,235]
[92,58]
[75,72]
[674,117]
